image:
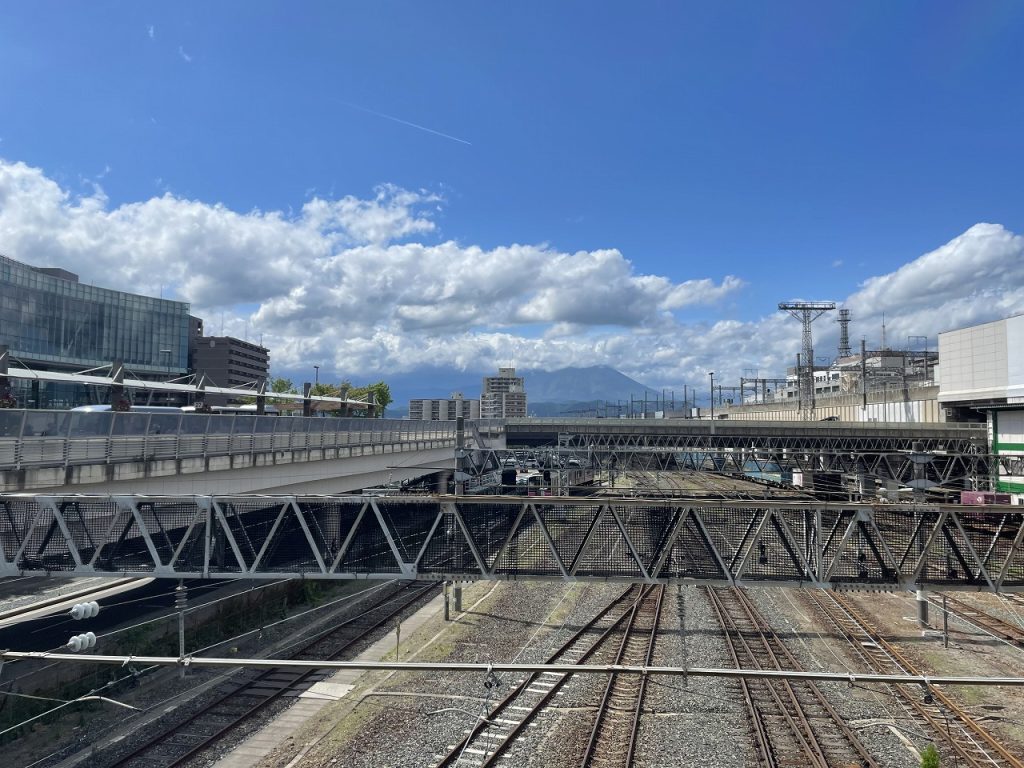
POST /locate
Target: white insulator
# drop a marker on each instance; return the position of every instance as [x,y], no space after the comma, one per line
[82,642]
[85,610]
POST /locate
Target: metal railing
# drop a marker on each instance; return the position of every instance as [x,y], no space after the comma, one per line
[67,438]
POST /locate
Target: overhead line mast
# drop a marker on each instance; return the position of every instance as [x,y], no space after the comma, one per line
[807,312]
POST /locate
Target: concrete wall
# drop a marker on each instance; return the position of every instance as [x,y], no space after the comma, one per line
[906,404]
[322,470]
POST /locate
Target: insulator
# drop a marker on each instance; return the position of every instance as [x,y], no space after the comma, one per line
[82,642]
[85,610]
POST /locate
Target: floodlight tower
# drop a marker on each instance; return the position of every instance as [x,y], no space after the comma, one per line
[807,312]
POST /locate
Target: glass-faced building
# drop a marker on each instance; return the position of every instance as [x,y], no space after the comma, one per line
[50,321]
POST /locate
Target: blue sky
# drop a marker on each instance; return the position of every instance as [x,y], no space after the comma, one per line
[802,148]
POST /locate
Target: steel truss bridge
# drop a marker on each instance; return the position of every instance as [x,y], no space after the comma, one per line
[794,544]
[943,453]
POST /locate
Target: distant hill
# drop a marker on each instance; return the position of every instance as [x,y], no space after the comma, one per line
[599,382]
[549,392]
[582,385]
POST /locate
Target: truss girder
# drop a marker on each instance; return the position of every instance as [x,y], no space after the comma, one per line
[819,544]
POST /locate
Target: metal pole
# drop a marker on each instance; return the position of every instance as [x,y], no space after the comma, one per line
[712,375]
[945,624]
[864,373]
[180,601]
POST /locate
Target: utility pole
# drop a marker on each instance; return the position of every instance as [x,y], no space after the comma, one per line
[712,375]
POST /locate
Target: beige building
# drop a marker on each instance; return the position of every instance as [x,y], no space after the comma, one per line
[503,396]
[444,409]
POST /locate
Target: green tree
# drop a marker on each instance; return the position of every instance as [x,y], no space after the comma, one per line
[324,390]
[930,757]
[283,386]
[381,395]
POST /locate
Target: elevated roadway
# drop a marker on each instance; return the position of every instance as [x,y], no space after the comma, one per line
[203,454]
[786,543]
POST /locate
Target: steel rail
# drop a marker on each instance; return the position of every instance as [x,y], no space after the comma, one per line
[600,728]
[843,615]
[984,620]
[765,744]
[295,677]
[781,660]
[630,597]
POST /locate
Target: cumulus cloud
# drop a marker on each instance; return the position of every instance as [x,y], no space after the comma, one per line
[368,286]
[365,281]
[975,277]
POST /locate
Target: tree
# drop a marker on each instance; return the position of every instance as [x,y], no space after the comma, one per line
[381,396]
[380,391]
[282,386]
[324,390]
[930,757]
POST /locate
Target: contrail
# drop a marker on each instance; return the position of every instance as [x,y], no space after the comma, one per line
[405,122]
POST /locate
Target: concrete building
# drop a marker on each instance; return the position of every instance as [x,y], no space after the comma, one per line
[227,362]
[983,372]
[49,321]
[503,396]
[444,409]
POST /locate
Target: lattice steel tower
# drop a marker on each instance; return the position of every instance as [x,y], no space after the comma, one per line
[807,312]
[844,333]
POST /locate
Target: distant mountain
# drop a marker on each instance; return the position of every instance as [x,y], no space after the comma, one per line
[582,385]
[549,393]
[553,392]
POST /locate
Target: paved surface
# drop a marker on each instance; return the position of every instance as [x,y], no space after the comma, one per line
[261,743]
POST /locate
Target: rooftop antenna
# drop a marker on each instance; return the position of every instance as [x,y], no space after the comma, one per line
[883,333]
[844,333]
[807,312]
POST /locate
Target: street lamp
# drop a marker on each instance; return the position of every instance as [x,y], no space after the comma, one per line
[316,375]
[712,375]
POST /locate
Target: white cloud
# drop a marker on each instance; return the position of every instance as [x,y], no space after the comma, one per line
[151,31]
[366,286]
[350,278]
[184,56]
[975,277]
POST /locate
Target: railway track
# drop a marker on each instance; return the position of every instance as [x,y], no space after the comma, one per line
[232,708]
[993,625]
[793,723]
[972,745]
[612,634]
[613,735]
